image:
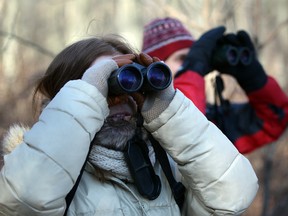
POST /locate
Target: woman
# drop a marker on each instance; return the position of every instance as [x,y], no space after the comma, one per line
[39,173]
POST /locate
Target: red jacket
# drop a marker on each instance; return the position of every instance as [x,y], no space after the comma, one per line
[249,126]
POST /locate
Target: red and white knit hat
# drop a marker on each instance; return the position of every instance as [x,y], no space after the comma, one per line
[162,37]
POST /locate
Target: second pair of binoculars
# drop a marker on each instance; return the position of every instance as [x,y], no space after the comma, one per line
[138,78]
[231,55]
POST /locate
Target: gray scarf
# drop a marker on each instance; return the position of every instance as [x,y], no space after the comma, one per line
[114,162]
[111,161]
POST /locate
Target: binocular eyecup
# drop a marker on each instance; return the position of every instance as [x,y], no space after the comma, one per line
[135,77]
[232,56]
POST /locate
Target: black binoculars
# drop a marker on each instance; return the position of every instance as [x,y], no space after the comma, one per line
[135,77]
[230,55]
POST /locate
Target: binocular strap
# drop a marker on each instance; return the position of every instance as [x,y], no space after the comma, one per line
[178,189]
[146,181]
[141,169]
[219,88]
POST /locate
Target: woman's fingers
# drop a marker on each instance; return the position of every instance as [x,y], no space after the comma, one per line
[141,58]
[156,59]
[144,59]
[124,59]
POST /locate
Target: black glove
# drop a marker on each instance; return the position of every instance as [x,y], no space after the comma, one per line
[252,76]
[200,54]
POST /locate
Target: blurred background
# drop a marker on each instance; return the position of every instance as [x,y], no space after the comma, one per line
[32,32]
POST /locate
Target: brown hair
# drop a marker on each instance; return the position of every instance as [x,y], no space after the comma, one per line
[72,62]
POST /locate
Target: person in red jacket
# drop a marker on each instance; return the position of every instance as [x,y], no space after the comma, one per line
[249,125]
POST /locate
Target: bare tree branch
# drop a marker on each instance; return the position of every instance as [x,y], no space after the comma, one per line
[28,43]
[273,34]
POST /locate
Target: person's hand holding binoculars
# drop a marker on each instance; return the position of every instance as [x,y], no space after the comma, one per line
[148,76]
[236,56]
[160,90]
[133,73]
[99,72]
[199,57]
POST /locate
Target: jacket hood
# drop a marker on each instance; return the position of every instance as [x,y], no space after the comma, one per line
[13,137]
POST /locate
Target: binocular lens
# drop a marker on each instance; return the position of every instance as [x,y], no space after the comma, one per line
[232,56]
[245,56]
[225,55]
[158,76]
[129,80]
[126,79]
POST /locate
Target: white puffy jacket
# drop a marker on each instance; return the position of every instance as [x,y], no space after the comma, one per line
[39,172]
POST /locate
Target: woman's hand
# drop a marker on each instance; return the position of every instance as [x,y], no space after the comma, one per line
[101,69]
[155,102]
[145,59]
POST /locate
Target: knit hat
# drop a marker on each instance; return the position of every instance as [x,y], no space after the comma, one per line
[162,37]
